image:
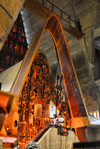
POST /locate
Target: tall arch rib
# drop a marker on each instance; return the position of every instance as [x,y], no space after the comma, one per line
[78,111]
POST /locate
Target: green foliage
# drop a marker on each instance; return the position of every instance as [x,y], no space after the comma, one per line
[33,145]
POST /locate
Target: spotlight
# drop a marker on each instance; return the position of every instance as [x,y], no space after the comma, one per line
[7,128]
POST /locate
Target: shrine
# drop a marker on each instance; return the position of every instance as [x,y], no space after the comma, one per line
[49,84]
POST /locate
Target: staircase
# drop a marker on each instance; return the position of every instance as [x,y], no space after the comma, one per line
[50,140]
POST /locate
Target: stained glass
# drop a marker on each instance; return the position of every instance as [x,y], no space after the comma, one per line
[15,43]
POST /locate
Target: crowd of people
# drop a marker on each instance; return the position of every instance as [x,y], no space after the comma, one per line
[60,122]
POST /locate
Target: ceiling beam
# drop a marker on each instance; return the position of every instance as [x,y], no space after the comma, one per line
[44,12]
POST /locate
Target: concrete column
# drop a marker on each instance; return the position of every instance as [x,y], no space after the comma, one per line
[9,11]
[97,88]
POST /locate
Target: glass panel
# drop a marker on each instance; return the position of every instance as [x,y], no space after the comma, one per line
[52,111]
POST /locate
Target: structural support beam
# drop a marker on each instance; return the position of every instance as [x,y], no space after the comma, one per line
[8,14]
[43,12]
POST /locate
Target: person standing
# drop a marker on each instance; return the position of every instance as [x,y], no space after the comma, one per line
[55,120]
[65,124]
[60,121]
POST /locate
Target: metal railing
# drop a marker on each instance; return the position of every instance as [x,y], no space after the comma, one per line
[61,12]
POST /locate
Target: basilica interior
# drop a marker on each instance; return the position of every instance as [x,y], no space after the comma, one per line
[49,64]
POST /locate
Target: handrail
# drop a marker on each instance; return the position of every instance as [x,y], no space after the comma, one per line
[36,136]
[69,17]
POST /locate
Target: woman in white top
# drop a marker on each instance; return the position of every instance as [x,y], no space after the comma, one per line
[55,120]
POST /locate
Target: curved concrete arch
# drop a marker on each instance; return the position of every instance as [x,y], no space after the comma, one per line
[76,103]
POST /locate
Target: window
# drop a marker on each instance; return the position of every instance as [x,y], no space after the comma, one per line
[94,113]
[52,110]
